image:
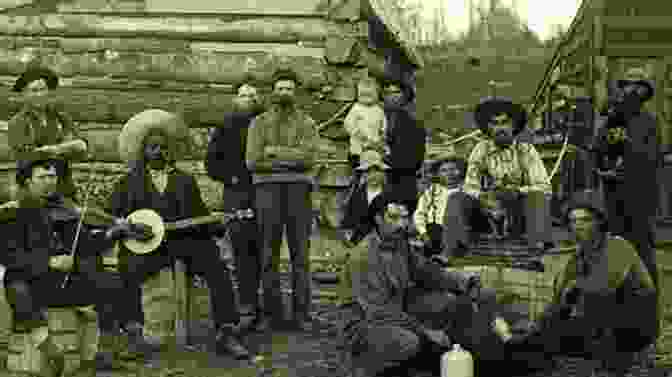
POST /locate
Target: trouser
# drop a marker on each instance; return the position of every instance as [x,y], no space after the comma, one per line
[405,185]
[390,348]
[201,257]
[464,214]
[29,300]
[624,219]
[243,234]
[285,206]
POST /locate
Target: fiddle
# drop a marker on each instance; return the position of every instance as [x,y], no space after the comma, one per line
[65,209]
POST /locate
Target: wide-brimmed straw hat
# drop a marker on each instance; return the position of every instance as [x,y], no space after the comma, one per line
[637,75]
[36,72]
[132,137]
[490,107]
[371,159]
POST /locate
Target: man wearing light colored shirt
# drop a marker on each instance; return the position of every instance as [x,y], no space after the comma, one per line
[447,179]
[506,173]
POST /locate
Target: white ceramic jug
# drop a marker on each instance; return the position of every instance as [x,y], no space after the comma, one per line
[457,363]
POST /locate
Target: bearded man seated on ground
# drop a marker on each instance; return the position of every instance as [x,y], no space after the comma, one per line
[506,180]
[407,310]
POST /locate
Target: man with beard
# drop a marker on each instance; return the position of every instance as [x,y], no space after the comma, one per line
[629,156]
[406,140]
[280,153]
[154,182]
[406,310]
[504,173]
[39,259]
[225,163]
[41,127]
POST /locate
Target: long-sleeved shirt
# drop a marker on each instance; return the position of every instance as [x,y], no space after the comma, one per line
[519,165]
[432,206]
[272,129]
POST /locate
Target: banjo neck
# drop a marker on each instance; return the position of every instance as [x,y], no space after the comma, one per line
[196,221]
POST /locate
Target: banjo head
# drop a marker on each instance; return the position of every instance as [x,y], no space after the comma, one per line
[152,219]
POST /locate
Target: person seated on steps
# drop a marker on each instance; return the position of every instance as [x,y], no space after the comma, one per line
[447,172]
[39,237]
[604,307]
[505,173]
[154,182]
[392,324]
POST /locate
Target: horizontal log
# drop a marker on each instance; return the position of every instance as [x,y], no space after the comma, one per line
[157,45]
[110,83]
[199,28]
[205,67]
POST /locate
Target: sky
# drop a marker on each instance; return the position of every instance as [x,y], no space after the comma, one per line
[541,15]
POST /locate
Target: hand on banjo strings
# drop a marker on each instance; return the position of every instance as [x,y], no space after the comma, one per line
[126,229]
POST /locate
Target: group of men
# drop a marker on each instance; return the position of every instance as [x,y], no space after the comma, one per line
[405,309]
[262,156]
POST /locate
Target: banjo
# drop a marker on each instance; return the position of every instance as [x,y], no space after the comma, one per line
[159,228]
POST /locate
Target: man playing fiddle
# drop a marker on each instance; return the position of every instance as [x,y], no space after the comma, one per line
[154,182]
[53,260]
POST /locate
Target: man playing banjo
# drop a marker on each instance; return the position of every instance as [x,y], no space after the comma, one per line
[153,182]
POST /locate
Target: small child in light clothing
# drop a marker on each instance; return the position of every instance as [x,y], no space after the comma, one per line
[366,121]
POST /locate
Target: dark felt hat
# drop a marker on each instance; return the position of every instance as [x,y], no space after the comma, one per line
[586,199]
[490,107]
[639,76]
[285,73]
[36,72]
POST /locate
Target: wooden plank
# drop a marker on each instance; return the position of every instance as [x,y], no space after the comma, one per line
[637,22]
[638,49]
[212,28]
[117,106]
[157,45]
[205,67]
[109,83]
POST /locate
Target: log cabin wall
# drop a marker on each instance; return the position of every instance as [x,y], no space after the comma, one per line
[117,58]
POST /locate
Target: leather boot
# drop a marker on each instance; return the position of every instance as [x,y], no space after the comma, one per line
[228,344]
[107,352]
[54,354]
[138,345]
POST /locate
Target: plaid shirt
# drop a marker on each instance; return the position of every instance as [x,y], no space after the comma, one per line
[518,166]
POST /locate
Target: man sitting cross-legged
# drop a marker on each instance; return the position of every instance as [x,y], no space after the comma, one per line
[406,309]
[40,234]
[154,182]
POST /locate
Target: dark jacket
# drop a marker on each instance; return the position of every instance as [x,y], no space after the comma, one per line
[225,159]
[381,283]
[406,138]
[32,237]
[180,200]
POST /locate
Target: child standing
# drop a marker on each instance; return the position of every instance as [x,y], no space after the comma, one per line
[366,121]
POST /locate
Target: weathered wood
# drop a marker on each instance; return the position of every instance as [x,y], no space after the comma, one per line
[215,28]
[204,67]
[157,45]
[109,83]
[90,105]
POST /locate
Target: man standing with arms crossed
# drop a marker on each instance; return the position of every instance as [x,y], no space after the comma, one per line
[225,163]
[280,152]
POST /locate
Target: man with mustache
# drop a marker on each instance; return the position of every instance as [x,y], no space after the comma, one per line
[225,163]
[155,182]
[503,172]
[281,146]
[42,127]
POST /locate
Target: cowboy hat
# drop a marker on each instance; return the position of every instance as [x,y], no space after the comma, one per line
[33,73]
[490,107]
[132,136]
[639,76]
[370,159]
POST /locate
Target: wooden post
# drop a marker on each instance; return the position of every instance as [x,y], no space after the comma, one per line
[181,290]
[659,99]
